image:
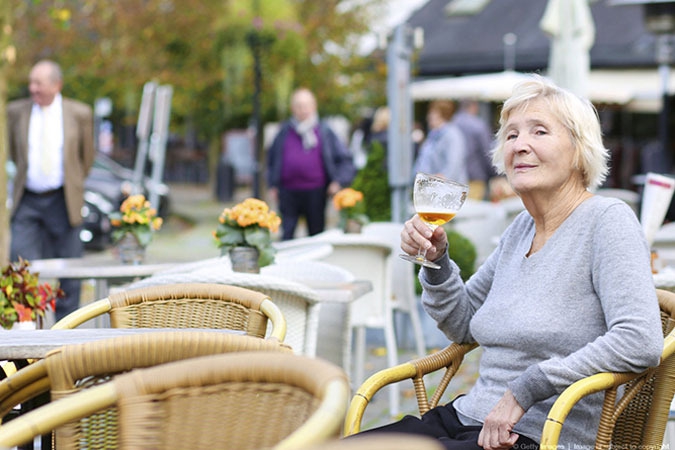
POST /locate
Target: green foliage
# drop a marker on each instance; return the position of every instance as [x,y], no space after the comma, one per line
[200,48]
[22,297]
[373,181]
[462,251]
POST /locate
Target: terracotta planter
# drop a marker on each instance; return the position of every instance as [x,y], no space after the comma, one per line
[245,259]
[130,251]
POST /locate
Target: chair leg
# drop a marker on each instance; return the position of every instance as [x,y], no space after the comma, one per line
[420,345]
[359,354]
[392,360]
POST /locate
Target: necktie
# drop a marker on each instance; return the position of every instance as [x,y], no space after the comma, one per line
[46,157]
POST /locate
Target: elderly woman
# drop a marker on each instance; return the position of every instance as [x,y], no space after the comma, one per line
[567,293]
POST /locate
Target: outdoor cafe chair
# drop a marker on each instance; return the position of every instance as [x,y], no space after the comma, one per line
[72,368]
[186,305]
[237,401]
[635,410]
[298,303]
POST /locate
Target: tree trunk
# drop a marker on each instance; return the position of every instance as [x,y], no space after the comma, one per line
[7,55]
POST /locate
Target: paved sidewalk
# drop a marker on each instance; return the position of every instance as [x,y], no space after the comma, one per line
[187,236]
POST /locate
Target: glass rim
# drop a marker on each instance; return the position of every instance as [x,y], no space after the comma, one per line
[442,179]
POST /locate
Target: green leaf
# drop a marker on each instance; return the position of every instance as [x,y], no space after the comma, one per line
[258,237]
[266,256]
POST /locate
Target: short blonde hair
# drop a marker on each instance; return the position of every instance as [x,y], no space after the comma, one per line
[577,115]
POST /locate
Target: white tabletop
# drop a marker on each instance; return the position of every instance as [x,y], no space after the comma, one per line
[35,344]
[87,268]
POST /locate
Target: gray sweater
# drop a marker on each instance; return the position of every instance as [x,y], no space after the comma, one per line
[584,303]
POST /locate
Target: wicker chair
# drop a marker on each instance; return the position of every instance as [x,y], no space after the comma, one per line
[634,419]
[245,401]
[74,367]
[186,305]
[389,441]
[298,303]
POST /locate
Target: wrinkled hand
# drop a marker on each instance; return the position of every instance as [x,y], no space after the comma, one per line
[497,430]
[333,188]
[416,234]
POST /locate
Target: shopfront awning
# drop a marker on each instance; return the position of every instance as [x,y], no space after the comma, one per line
[636,90]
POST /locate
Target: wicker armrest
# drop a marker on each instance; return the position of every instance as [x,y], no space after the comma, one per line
[24,385]
[610,382]
[450,358]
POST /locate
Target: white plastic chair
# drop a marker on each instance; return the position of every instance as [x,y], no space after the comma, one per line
[402,278]
[335,334]
[482,223]
[368,258]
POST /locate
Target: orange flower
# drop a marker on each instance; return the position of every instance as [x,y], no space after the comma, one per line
[136,216]
[347,198]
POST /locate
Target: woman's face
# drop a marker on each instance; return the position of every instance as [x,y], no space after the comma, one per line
[539,156]
[434,119]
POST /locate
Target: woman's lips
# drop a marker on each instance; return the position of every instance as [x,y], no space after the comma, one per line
[523,166]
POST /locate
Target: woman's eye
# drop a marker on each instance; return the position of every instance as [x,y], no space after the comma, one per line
[540,131]
[511,136]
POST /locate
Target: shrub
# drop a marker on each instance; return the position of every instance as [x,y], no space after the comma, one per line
[373,181]
[462,251]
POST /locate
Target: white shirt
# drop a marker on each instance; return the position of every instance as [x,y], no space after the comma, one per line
[49,119]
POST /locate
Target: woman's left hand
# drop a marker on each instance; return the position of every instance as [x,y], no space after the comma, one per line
[497,431]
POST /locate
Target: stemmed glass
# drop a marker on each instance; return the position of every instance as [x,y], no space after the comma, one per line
[436,201]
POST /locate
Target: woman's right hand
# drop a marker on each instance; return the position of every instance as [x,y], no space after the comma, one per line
[416,234]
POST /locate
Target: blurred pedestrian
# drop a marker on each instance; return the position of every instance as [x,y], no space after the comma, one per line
[51,141]
[444,150]
[479,138]
[306,163]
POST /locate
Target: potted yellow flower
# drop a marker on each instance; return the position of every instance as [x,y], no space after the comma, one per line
[133,226]
[247,228]
[22,298]
[349,203]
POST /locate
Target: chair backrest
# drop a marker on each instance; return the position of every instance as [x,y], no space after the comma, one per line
[402,272]
[245,401]
[388,441]
[636,406]
[481,222]
[368,258]
[68,370]
[186,305]
[298,303]
[642,421]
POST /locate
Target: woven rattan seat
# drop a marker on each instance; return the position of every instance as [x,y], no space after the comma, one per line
[298,303]
[240,401]
[634,413]
[186,305]
[71,368]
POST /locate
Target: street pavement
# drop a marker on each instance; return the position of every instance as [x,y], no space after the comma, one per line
[186,235]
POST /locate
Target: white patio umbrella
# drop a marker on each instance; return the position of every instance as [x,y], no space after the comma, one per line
[488,87]
[569,24]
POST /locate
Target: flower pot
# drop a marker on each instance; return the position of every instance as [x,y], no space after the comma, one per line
[130,251]
[352,226]
[245,259]
[27,325]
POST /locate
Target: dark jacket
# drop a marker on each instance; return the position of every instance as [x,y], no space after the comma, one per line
[337,161]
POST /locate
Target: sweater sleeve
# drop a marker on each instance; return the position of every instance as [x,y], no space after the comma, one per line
[449,301]
[622,279]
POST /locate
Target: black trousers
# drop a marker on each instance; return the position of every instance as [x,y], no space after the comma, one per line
[442,423]
[41,229]
[294,204]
